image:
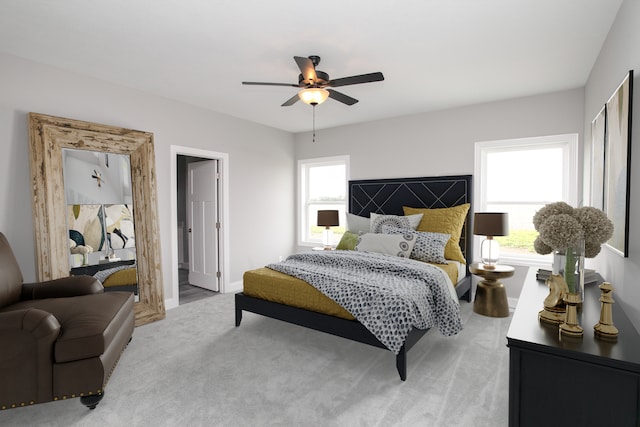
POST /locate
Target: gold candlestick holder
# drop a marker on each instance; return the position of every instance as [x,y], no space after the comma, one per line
[570,326]
[605,329]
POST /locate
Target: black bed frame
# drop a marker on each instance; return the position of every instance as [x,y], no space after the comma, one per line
[382,196]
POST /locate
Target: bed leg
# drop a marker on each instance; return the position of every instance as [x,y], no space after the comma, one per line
[401,363]
[467,296]
[238,316]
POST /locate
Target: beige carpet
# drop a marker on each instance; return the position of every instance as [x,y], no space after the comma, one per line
[195,368]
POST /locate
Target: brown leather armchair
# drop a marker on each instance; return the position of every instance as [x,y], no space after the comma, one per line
[60,338]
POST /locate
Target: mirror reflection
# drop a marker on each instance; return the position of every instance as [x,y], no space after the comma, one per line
[100,223]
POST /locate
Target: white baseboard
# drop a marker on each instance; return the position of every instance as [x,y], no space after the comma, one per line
[233,287]
[170,303]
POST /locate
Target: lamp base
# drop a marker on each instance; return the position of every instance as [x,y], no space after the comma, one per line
[489,253]
[327,238]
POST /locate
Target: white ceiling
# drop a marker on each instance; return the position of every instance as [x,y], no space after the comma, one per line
[434,54]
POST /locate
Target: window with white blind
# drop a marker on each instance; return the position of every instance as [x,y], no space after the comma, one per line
[322,184]
[519,176]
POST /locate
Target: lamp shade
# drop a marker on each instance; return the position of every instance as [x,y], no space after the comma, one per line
[313,96]
[328,218]
[491,224]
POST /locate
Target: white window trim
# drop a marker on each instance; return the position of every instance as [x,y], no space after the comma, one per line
[318,161]
[570,172]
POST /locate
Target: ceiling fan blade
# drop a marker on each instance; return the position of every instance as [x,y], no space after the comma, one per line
[306,68]
[270,84]
[291,101]
[354,80]
[341,97]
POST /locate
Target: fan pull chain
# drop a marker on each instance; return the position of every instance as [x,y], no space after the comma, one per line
[314,122]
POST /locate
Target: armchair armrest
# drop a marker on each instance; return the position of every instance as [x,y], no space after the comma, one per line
[71,286]
[27,337]
[39,323]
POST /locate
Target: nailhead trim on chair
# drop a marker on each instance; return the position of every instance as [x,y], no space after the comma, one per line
[90,393]
[65,397]
[15,405]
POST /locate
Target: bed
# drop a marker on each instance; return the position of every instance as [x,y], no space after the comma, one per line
[366,197]
[114,276]
[120,278]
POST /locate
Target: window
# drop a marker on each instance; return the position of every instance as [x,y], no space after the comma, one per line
[519,176]
[322,184]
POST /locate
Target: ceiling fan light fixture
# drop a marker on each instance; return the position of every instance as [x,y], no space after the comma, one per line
[313,96]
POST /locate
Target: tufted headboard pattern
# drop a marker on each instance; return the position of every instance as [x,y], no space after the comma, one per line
[387,196]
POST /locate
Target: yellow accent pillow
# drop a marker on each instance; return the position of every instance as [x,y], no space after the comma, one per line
[444,220]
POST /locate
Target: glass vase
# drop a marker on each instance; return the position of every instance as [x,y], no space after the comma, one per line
[569,264]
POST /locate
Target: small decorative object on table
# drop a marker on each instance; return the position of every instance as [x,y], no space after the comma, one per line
[604,329]
[571,234]
[569,264]
[554,311]
[570,326]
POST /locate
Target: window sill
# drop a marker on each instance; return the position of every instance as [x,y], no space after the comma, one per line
[526,261]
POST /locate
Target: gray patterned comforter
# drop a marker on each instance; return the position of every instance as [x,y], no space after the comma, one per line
[388,295]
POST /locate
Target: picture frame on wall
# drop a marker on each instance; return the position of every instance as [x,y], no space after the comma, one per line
[617,164]
[598,135]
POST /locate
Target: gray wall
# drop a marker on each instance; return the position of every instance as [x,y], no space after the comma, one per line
[261,159]
[442,142]
[619,54]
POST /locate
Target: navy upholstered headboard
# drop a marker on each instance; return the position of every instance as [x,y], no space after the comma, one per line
[388,196]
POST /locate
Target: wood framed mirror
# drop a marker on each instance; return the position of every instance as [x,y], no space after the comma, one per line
[48,137]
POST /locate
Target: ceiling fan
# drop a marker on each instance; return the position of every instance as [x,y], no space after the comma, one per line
[315,84]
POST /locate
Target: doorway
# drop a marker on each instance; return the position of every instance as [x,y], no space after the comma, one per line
[198,227]
[199,210]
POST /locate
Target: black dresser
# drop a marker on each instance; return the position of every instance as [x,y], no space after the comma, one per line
[92,269]
[558,381]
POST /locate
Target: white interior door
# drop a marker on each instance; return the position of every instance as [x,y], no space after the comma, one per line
[203,224]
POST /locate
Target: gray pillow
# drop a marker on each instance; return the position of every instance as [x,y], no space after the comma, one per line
[429,247]
[358,224]
[388,244]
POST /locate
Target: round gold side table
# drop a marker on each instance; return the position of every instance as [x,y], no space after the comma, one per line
[491,296]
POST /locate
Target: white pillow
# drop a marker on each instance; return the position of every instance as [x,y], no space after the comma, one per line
[388,244]
[400,221]
[358,224]
[429,246]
